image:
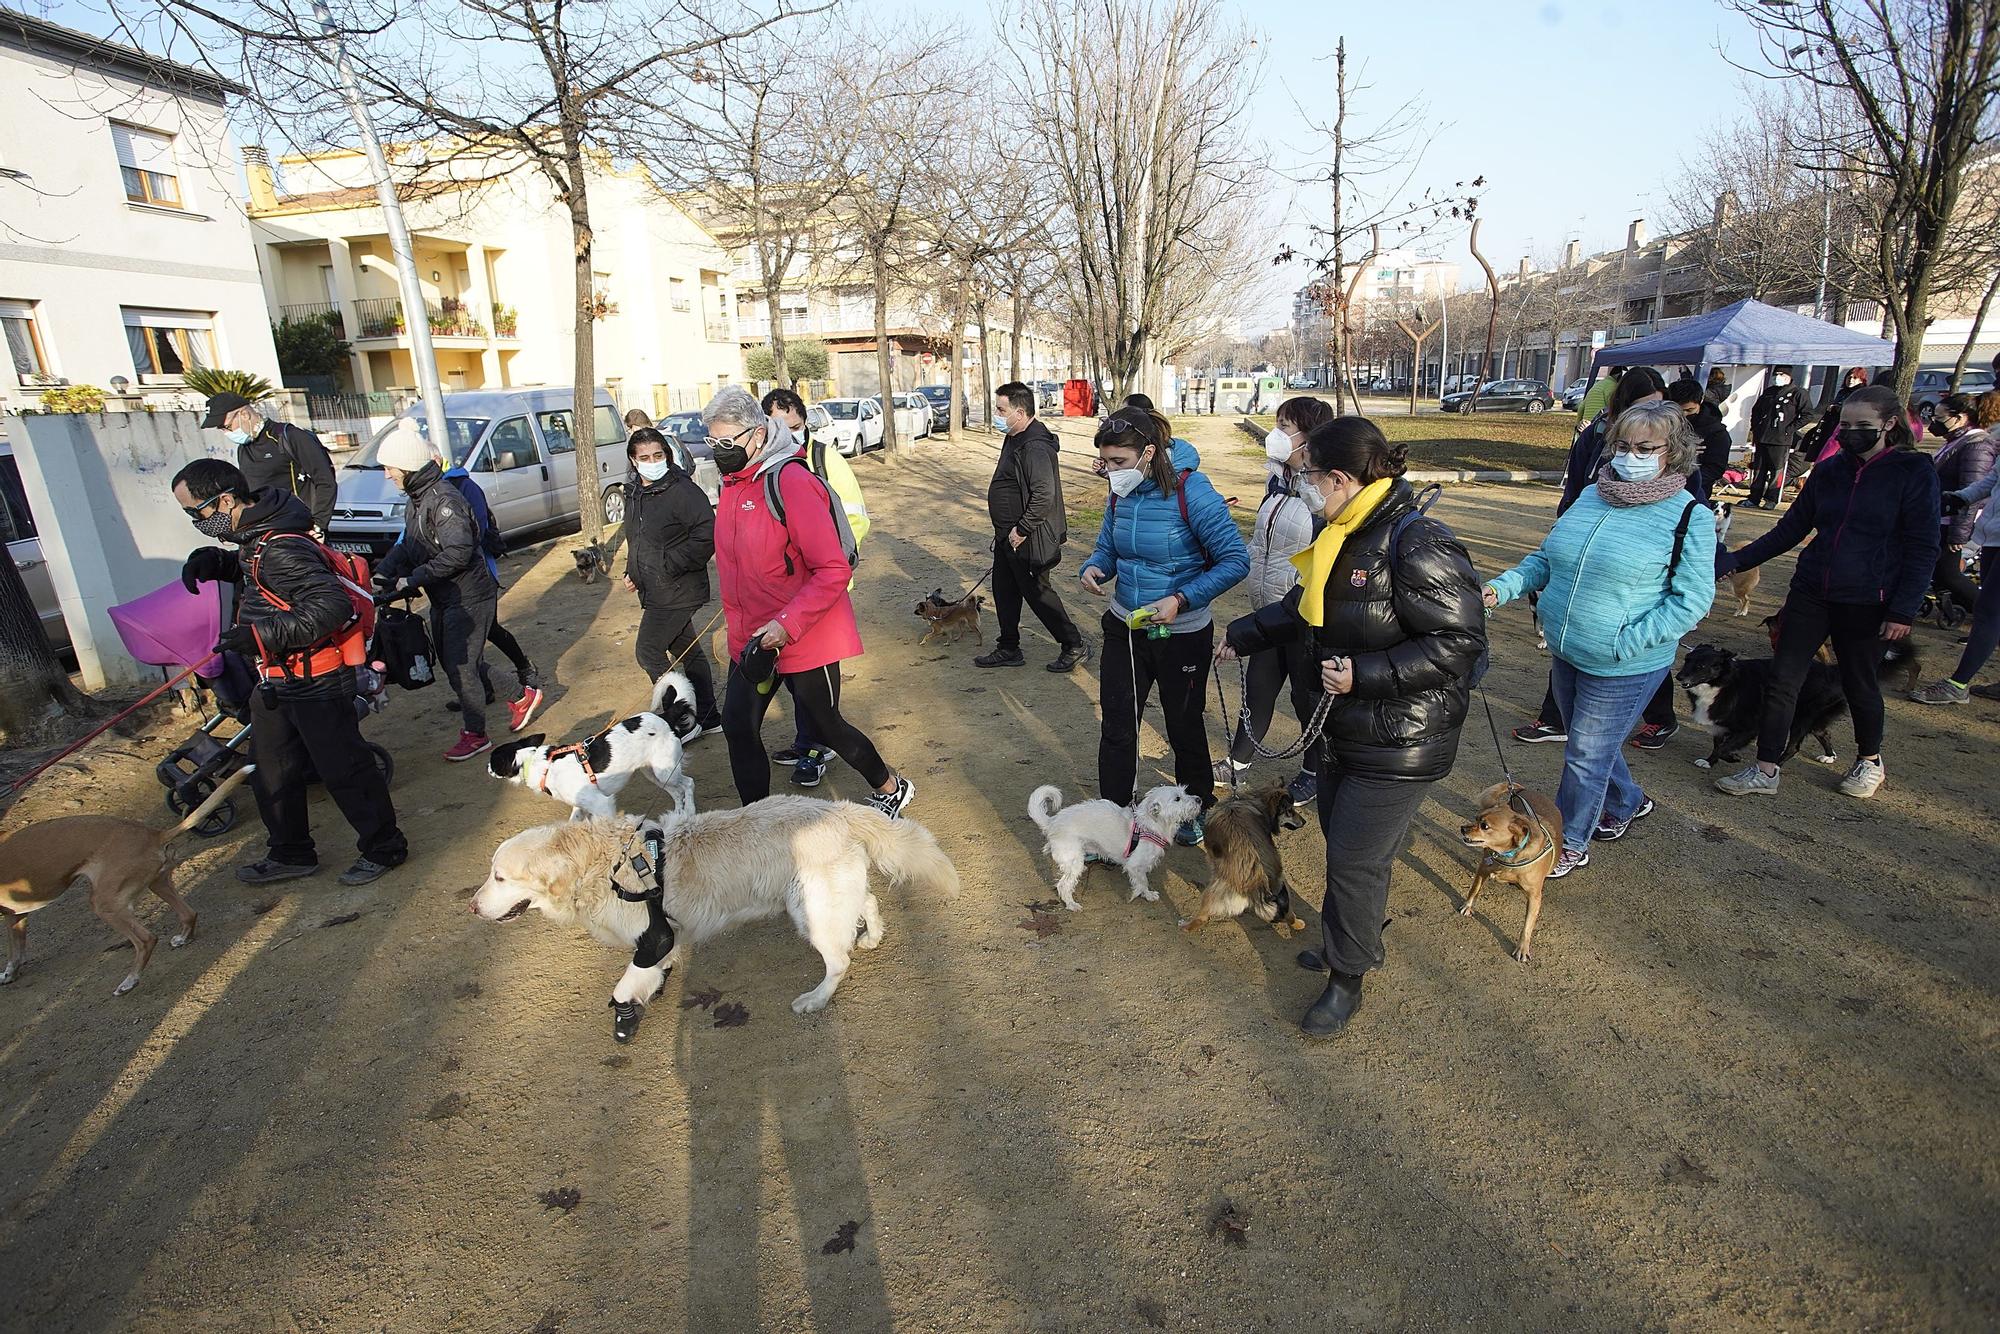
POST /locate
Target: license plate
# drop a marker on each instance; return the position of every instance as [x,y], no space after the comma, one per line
[352,548]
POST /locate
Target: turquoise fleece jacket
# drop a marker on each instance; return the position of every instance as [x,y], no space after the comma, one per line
[1606,606]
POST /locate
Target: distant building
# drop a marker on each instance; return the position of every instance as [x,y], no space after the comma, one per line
[125,255]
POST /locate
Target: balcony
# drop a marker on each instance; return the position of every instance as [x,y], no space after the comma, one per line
[1622,333]
[326,312]
[383,317]
[721,329]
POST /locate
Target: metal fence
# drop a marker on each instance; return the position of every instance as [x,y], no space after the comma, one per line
[325,311]
[349,420]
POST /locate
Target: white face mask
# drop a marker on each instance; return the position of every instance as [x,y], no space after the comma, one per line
[1278,445]
[1636,467]
[1124,481]
[652,470]
[1315,499]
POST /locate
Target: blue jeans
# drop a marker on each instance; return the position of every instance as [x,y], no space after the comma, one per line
[1601,711]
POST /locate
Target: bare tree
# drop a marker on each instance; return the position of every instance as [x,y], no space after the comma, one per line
[1917,80]
[34,688]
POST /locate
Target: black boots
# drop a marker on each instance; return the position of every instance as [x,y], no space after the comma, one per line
[1335,1006]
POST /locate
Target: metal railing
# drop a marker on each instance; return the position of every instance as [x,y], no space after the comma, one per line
[307,312]
[379,317]
[720,330]
[383,317]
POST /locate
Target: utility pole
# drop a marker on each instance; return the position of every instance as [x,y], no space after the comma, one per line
[416,315]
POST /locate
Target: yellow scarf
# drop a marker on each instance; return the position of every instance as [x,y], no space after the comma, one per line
[1316,562]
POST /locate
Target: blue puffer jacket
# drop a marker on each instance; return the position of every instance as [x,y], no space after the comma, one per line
[1144,544]
[1602,572]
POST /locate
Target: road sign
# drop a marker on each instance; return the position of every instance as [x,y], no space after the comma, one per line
[927,358]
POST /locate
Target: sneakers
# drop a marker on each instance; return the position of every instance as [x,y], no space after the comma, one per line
[523,710]
[1864,779]
[891,804]
[1069,658]
[1190,834]
[789,755]
[365,870]
[1987,691]
[469,744]
[1303,790]
[1653,736]
[264,871]
[1002,657]
[1946,691]
[1610,831]
[1750,781]
[811,767]
[712,722]
[1534,733]
[1567,861]
[1228,772]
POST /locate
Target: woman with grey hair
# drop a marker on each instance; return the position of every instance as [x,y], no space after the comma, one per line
[1626,571]
[783,567]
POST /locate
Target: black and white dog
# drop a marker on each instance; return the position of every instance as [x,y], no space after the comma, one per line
[589,774]
[1726,699]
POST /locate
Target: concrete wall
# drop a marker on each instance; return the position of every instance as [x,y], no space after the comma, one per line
[110,527]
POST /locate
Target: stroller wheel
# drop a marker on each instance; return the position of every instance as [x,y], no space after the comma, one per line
[219,820]
[383,761]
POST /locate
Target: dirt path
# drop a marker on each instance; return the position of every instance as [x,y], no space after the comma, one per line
[1748,1079]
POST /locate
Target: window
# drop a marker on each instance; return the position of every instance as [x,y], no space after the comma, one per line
[511,446]
[16,523]
[166,342]
[24,341]
[793,311]
[146,160]
[562,440]
[677,293]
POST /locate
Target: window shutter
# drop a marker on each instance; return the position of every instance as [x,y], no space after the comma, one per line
[143,149]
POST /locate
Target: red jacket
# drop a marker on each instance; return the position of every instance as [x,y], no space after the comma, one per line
[794,573]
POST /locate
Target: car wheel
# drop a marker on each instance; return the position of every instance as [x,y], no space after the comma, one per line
[1536,405]
[1465,408]
[614,503]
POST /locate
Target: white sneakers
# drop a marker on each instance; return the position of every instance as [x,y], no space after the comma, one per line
[1864,778]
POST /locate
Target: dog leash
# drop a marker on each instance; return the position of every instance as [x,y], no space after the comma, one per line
[1308,737]
[694,643]
[90,736]
[1514,788]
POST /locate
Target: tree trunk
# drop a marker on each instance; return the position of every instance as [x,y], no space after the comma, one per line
[774,288]
[1014,338]
[885,362]
[1978,322]
[1492,315]
[956,403]
[34,688]
[985,362]
[583,414]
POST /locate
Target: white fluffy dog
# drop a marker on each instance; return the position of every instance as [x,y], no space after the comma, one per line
[795,855]
[1134,838]
[590,774]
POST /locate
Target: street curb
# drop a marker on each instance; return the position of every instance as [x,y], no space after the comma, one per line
[1426,477]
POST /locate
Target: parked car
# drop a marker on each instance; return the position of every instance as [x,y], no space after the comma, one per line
[1460,384]
[24,548]
[852,424]
[1934,385]
[1302,382]
[939,397]
[1573,395]
[689,435]
[1048,396]
[517,444]
[1380,385]
[913,415]
[1503,396]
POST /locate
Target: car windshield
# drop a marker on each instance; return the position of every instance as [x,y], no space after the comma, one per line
[684,426]
[817,416]
[845,411]
[936,393]
[464,433]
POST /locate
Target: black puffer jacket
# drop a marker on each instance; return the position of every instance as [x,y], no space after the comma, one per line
[1413,634]
[275,539]
[439,551]
[669,540]
[1026,493]
[291,457]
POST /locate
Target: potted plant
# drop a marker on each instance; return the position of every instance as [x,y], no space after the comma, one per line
[505,321]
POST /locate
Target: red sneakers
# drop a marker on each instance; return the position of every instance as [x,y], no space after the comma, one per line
[469,744]
[523,710]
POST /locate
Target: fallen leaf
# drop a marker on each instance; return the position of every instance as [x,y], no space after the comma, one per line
[1043,905]
[564,1198]
[262,906]
[466,990]
[700,1000]
[341,920]
[843,1240]
[732,1015]
[1681,1170]
[450,1105]
[1042,924]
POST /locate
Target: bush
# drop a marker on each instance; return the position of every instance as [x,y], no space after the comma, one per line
[73,398]
[309,347]
[805,358]
[208,382]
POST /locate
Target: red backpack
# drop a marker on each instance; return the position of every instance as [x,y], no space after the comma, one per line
[351,640]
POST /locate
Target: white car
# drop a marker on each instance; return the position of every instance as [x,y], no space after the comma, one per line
[913,415]
[852,424]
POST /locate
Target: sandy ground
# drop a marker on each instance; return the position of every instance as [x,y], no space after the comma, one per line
[1748,1079]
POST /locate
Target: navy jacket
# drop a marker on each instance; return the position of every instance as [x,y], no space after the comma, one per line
[1874,529]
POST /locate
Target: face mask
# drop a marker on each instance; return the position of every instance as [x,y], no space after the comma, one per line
[1315,499]
[1860,439]
[1124,481]
[1781,380]
[1000,421]
[1278,445]
[240,437]
[217,526]
[731,458]
[653,470]
[1636,467]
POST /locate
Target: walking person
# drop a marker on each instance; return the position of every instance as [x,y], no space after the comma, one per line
[1287,521]
[1025,502]
[1773,419]
[290,608]
[1968,522]
[669,539]
[1388,609]
[1873,517]
[784,579]
[1169,548]
[274,453]
[1624,573]
[1711,432]
[1966,455]
[439,554]
[522,709]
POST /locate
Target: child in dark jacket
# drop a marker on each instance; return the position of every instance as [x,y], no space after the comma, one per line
[1872,514]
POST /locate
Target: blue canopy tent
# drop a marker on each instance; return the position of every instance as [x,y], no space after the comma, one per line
[1750,333]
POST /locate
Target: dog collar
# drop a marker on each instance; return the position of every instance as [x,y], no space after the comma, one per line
[1141,834]
[1511,855]
[640,877]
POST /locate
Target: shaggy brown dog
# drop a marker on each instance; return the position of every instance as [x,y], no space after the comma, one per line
[1245,870]
[1520,845]
[116,858]
[952,616]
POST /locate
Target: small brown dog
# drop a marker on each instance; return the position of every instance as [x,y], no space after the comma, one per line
[118,858]
[952,616]
[1520,846]
[1742,583]
[1245,871]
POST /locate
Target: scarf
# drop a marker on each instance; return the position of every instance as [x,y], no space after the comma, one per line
[1315,564]
[1621,494]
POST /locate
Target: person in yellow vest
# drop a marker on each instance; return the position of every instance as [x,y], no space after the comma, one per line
[807,757]
[1598,396]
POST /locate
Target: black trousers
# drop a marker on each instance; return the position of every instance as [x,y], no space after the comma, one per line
[293,738]
[1856,631]
[1266,673]
[1014,584]
[1950,577]
[665,632]
[1132,666]
[500,637]
[743,709]
[1366,822]
[459,633]
[1767,479]
[1659,709]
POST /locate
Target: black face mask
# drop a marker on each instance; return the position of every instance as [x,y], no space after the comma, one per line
[1860,439]
[730,459]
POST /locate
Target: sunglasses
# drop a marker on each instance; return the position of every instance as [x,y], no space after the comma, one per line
[203,510]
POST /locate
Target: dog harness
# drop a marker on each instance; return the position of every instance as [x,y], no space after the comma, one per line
[580,749]
[640,877]
[1141,834]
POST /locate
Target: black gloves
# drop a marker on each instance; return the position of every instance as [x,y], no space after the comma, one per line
[1950,503]
[237,639]
[204,565]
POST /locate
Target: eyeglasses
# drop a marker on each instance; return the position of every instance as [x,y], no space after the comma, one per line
[713,441]
[1311,472]
[1643,451]
[203,510]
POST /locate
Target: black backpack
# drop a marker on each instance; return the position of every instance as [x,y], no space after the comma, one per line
[490,540]
[403,646]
